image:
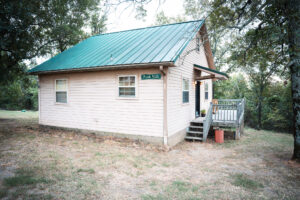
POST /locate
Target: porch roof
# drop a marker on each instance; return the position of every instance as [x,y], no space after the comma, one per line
[213,73]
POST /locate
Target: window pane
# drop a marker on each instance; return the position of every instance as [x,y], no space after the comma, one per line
[130,91]
[185,84]
[185,96]
[61,97]
[127,81]
[61,85]
[206,95]
[132,81]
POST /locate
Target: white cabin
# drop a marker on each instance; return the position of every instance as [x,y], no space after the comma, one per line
[146,84]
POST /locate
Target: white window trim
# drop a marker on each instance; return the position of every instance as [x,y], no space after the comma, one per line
[182,88]
[67,90]
[135,86]
[207,91]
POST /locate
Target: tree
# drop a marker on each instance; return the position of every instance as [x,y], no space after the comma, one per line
[35,28]
[293,13]
[219,36]
[260,63]
[161,19]
[270,20]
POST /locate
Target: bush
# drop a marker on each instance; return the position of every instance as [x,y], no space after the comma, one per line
[22,93]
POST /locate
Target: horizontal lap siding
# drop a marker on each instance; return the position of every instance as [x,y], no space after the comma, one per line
[179,114]
[93,103]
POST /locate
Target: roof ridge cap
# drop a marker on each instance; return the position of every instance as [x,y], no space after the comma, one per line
[148,27]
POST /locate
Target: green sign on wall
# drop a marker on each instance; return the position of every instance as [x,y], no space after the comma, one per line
[151,76]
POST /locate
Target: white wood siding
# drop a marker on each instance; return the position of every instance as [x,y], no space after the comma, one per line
[179,114]
[93,103]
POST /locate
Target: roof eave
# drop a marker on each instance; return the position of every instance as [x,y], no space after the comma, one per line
[218,74]
[108,67]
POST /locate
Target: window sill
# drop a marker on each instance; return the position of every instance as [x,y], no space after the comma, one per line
[185,104]
[62,104]
[127,98]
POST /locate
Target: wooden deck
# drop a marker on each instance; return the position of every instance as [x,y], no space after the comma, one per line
[222,118]
[222,113]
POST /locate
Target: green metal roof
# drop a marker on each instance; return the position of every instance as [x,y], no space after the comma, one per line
[155,44]
[211,70]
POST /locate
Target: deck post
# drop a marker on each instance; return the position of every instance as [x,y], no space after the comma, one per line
[242,126]
[237,133]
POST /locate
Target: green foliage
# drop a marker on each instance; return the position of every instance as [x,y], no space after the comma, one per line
[98,24]
[161,19]
[3,193]
[21,93]
[37,28]
[234,88]
[276,101]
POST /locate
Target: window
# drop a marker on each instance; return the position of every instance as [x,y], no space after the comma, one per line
[127,85]
[185,90]
[197,44]
[206,91]
[61,91]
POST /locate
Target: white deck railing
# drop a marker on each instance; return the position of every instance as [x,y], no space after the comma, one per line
[226,112]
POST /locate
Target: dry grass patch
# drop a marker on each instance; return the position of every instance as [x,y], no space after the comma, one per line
[43,163]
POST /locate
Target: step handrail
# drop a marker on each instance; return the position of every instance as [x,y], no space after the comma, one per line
[207,122]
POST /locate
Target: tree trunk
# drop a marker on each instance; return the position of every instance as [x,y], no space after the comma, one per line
[259,115]
[294,51]
[260,105]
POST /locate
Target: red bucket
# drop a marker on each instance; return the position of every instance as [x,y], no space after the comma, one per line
[219,136]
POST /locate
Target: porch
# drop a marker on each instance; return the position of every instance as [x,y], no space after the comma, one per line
[221,113]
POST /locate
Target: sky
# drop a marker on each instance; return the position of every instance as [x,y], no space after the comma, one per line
[123,18]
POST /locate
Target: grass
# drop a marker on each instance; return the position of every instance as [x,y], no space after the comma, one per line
[176,190]
[270,139]
[181,186]
[90,171]
[23,181]
[24,177]
[8,114]
[53,164]
[242,180]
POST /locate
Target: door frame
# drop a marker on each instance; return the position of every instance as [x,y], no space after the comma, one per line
[197,99]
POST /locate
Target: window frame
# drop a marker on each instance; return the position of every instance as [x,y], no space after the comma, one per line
[135,87]
[67,90]
[206,83]
[183,90]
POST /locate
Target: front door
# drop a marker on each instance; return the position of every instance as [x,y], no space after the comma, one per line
[197,99]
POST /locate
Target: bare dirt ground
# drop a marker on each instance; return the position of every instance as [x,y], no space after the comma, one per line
[43,163]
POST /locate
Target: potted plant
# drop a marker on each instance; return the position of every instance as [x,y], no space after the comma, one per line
[203,112]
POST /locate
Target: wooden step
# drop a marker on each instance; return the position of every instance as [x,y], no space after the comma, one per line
[196,127]
[195,132]
[196,122]
[193,138]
